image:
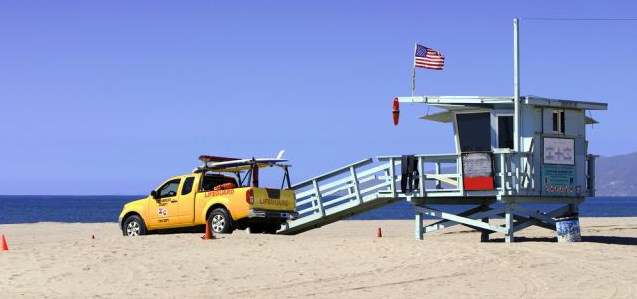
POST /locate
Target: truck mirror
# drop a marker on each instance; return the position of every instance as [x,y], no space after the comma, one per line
[153,194]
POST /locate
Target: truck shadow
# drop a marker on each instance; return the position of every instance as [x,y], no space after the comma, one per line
[614,240]
[183,230]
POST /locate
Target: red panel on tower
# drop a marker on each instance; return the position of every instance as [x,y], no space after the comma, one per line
[478,183]
[477,171]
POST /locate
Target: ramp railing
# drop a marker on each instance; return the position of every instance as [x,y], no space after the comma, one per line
[515,173]
[363,186]
[439,175]
[340,194]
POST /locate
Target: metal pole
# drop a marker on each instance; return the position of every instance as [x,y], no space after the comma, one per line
[413,74]
[516,82]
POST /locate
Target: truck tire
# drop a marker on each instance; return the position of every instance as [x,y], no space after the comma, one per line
[134,226]
[220,221]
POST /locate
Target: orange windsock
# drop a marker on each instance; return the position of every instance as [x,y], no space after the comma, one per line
[395,110]
[4,244]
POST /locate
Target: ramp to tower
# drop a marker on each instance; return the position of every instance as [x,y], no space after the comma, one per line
[342,193]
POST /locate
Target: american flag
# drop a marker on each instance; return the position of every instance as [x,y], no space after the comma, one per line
[428,58]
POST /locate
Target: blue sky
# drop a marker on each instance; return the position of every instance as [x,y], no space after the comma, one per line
[112,97]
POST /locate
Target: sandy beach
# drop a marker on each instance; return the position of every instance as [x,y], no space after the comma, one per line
[342,260]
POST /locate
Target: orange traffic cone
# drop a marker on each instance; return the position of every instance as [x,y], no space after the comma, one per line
[208,235]
[380,233]
[4,244]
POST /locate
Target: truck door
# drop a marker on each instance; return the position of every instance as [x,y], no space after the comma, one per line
[187,200]
[164,210]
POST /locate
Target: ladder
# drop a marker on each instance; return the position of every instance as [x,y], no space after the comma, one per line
[347,191]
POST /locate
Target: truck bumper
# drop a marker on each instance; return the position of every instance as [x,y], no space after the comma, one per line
[272,215]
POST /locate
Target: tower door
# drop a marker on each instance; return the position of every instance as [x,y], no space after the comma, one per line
[474,132]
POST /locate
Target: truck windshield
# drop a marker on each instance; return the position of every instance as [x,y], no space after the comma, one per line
[211,181]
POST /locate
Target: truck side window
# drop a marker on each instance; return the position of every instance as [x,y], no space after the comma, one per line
[185,190]
[169,189]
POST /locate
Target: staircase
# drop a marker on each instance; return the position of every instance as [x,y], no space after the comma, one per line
[342,193]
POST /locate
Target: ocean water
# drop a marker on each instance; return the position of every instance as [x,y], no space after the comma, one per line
[43,208]
[592,207]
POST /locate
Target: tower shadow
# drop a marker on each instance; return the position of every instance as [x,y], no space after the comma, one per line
[613,240]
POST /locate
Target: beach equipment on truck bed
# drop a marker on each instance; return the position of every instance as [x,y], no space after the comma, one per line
[238,166]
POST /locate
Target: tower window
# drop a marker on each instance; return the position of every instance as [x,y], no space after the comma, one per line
[558,121]
[474,131]
[505,132]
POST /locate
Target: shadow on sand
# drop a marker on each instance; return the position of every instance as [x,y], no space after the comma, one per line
[614,240]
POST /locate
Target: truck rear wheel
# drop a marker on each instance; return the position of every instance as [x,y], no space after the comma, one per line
[134,226]
[220,221]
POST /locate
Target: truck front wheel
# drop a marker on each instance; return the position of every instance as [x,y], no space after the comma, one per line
[134,226]
[220,221]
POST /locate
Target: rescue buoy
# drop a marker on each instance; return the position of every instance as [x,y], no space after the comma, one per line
[395,111]
[224,186]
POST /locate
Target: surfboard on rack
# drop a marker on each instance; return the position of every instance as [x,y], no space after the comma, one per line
[222,164]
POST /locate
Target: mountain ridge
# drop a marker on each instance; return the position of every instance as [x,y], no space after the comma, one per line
[616,175]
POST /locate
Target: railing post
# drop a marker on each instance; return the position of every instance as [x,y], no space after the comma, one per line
[528,160]
[319,198]
[438,183]
[518,163]
[392,177]
[459,171]
[503,171]
[355,183]
[421,176]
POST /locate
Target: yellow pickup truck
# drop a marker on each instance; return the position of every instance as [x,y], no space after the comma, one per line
[224,192]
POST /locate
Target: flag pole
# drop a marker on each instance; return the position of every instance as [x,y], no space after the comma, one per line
[516,83]
[413,75]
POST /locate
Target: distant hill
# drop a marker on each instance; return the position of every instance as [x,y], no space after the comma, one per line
[616,175]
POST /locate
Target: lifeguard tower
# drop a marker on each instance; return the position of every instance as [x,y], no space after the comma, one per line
[509,152]
[552,165]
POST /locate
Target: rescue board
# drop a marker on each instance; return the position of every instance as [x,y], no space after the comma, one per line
[220,164]
[245,162]
[206,159]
